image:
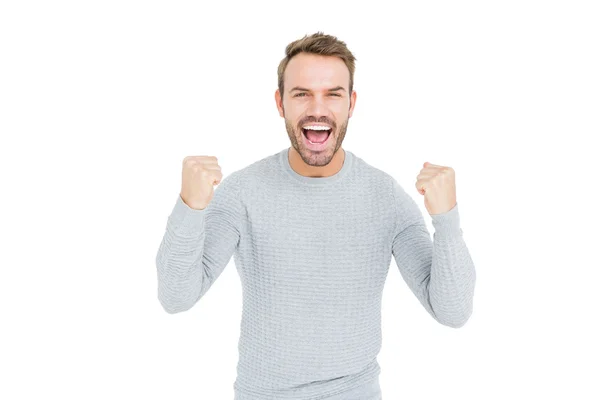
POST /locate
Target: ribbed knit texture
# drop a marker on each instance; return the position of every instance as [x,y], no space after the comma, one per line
[313,255]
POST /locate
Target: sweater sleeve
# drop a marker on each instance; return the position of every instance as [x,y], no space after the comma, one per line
[197,246]
[441,274]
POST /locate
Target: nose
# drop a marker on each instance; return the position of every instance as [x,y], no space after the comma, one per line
[317,107]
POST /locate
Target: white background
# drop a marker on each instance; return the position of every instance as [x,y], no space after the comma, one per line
[101,101]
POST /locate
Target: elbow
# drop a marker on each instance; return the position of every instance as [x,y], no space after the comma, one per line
[174,309]
[175,297]
[456,324]
[171,306]
[169,309]
[456,321]
[455,317]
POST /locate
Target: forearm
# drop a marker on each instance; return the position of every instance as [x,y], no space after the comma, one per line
[452,278]
[179,259]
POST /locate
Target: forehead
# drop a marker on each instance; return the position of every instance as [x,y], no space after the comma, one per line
[316,72]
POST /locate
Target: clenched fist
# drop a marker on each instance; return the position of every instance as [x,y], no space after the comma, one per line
[199,175]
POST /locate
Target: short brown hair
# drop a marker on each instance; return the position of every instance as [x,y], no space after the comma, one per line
[317,43]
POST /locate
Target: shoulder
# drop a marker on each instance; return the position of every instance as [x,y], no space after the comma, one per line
[252,175]
[406,208]
[367,172]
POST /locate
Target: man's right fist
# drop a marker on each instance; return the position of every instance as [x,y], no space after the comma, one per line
[199,175]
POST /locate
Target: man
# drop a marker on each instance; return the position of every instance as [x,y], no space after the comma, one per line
[312,230]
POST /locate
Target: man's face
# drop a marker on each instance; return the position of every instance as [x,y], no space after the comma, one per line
[316,93]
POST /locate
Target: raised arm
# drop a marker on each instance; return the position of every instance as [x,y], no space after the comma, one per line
[441,272]
[197,245]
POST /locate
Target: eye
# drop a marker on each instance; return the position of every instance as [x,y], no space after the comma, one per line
[302,94]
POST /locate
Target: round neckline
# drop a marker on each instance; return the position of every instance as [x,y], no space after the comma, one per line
[311,180]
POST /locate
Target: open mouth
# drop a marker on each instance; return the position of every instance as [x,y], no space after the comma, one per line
[316,137]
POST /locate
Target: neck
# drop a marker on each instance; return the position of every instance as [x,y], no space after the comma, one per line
[302,168]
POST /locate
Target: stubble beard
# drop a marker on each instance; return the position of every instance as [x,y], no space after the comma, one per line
[315,159]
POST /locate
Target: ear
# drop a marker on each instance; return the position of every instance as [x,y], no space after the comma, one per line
[279,103]
[352,103]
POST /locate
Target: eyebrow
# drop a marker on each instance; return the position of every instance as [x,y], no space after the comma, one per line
[308,90]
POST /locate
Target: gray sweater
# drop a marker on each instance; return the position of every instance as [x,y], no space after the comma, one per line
[312,255]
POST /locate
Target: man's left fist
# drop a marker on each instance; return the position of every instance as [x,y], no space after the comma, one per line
[438,185]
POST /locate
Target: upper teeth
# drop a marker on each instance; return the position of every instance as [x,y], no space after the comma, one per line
[317,128]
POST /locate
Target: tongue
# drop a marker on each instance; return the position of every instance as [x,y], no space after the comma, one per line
[317,136]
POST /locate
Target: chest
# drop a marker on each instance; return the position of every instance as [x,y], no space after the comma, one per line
[319,234]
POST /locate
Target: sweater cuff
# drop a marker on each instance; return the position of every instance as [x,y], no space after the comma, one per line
[187,218]
[448,222]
